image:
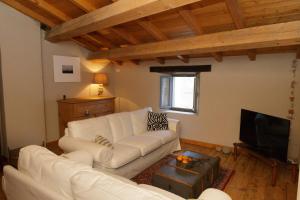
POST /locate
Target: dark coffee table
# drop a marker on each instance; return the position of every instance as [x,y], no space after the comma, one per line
[188,182]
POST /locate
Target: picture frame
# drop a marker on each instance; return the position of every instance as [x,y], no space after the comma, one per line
[66,69]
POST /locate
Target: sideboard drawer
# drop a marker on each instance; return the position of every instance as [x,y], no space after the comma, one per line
[77,109]
[84,109]
[105,107]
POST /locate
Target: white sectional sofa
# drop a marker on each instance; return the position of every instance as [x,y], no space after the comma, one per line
[42,175]
[134,149]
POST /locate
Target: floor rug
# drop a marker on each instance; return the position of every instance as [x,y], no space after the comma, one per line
[145,176]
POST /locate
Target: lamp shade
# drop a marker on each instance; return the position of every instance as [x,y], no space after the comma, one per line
[100,78]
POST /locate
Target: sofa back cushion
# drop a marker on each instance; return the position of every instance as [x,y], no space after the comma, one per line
[18,186]
[121,125]
[139,120]
[89,129]
[94,185]
[51,171]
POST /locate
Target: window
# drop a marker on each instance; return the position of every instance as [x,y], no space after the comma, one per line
[179,92]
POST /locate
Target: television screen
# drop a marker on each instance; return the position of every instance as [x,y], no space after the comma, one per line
[268,135]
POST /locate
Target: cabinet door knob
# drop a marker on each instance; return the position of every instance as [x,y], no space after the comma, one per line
[87,113]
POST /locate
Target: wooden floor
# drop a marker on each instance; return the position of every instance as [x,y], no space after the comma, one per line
[251,180]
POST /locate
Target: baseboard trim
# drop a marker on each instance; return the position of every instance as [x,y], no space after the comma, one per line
[200,143]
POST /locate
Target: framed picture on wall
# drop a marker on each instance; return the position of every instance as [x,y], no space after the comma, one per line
[66,69]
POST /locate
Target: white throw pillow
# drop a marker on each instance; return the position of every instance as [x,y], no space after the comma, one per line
[139,120]
[94,185]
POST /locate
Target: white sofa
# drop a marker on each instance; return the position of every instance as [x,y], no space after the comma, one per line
[42,175]
[134,150]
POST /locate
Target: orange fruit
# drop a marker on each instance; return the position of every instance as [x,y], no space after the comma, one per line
[185,161]
[179,158]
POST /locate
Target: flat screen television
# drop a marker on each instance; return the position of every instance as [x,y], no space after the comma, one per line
[265,134]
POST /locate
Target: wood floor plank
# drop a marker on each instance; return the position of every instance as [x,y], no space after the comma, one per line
[252,178]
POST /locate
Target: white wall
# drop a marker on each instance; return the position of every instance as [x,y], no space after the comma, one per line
[27,71]
[55,91]
[22,78]
[235,83]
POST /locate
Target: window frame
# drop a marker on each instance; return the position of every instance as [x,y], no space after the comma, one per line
[170,100]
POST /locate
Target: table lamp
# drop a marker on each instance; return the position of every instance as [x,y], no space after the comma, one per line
[101,79]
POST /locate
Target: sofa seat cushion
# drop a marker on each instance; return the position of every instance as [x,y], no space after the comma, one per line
[146,144]
[122,154]
[165,135]
[94,185]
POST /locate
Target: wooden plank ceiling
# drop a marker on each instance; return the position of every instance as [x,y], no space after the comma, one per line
[155,29]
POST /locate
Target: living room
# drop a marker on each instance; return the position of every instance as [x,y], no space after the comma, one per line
[256,71]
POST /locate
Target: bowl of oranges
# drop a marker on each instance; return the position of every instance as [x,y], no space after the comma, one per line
[184,161]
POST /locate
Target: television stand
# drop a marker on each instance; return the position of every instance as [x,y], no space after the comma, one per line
[269,161]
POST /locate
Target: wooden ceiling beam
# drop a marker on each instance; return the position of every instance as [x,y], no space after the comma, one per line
[152,30]
[114,14]
[125,35]
[239,21]
[185,59]
[147,25]
[83,5]
[155,33]
[218,56]
[161,61]
[100,40]
[190,20]
[236,13]
[81,42]
[275,35]
[63,17]
[88,7]
[50,9]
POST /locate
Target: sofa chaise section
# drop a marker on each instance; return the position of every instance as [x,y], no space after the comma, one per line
[44,175]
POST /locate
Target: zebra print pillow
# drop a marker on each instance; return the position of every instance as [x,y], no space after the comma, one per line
[103,141]
[157,121]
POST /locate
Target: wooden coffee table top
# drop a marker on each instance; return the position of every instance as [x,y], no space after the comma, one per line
[187,176]
[187,182]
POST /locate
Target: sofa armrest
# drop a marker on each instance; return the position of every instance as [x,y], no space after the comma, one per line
[83,157]
[17,185]
[213,194]
[173,125]
[99,152]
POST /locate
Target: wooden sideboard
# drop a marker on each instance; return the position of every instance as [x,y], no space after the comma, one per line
[82,108]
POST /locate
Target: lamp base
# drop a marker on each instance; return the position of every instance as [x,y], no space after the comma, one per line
[100,91]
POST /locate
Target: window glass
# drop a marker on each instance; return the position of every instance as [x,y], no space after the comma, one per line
[183,92]
[179,93]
